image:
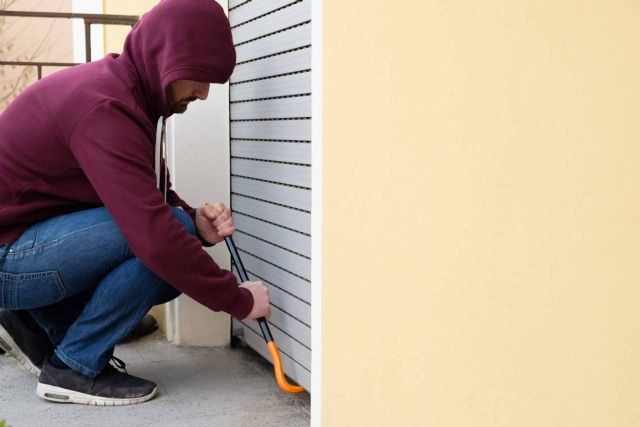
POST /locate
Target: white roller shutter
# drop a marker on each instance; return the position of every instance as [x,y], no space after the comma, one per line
[270,112]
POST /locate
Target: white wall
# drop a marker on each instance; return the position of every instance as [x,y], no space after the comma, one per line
[199,151]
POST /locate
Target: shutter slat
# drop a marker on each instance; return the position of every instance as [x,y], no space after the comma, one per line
[291,326]
[253,9]
[293,84]
[286,217]
[287,17]
[280,42]
[289,62]
[270,150]
[288,239]
[275,172]
[298,198]
[294,263]
[283,130]
[281,108]
[235,3]
[297,309]
[284,280]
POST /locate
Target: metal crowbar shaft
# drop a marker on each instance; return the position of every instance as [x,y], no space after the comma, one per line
[264,327]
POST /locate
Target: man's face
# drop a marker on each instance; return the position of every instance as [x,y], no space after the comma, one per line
[182,92]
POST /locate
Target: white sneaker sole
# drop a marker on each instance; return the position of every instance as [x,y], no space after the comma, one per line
[9,346]
[62,395]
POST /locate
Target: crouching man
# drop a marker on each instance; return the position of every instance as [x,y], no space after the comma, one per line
[91,233]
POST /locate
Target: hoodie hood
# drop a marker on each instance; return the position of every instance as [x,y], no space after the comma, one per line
[178,40]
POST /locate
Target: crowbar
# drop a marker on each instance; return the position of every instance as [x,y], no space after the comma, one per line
[264,327]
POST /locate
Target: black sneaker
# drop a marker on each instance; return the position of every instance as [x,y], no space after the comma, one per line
[110,388]
[29,346]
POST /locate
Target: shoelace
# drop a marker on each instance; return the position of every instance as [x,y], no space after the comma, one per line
[119,364]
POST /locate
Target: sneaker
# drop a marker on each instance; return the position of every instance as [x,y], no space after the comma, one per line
[111,388]
[27,345]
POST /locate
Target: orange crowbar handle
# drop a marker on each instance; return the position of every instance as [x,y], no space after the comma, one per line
[279,372]
[264,327]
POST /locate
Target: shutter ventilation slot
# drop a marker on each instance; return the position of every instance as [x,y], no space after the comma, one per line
[233,27]
[269,77]
[274,97]
[272,33]
[275,265]
[281,162]
[269,222]
[276,119]
[273,54]
[273,244]
[270,202]
[286,292]
[290,141]
[270,182]
[238,5]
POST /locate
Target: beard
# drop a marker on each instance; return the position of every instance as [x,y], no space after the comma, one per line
[180,106]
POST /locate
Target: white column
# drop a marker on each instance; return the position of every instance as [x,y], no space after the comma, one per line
[97,31]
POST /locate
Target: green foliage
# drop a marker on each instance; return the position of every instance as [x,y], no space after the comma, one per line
[3,423]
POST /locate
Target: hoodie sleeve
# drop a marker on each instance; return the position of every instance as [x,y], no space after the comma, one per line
[116,155]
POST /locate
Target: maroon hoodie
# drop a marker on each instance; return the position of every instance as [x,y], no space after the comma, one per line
[85,136]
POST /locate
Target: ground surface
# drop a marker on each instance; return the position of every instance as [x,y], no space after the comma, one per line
[198,387]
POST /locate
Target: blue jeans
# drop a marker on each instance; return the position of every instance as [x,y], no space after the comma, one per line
[80,282]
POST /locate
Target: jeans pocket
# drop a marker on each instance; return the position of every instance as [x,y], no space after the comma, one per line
[30,290]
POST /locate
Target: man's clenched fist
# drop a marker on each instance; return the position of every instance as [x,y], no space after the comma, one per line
[260,294]
[214,222]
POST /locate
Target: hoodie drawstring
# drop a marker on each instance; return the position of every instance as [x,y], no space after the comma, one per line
[161,157]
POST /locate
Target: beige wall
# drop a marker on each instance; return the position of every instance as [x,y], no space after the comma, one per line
[115,34]
[481,213]
[32,39]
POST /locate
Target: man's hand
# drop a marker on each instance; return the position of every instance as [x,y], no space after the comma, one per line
[214,222]
[261,307]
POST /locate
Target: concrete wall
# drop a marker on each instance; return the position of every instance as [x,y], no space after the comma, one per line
[481,232]
[199,145]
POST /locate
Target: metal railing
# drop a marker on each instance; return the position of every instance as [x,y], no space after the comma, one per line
[88,18]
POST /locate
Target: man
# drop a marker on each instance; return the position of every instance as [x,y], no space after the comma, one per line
[88,242]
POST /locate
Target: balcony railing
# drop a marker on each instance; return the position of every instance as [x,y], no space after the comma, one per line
[88,18]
